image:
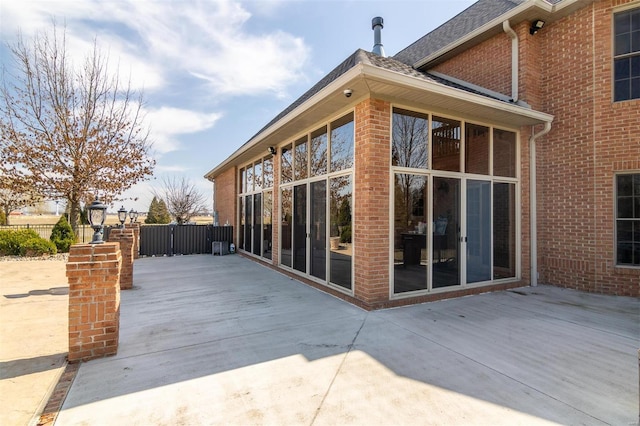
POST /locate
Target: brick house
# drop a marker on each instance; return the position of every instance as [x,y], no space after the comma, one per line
[500,150]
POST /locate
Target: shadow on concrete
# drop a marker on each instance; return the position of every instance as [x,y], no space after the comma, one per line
[53,291]
[21,367]
[550,353]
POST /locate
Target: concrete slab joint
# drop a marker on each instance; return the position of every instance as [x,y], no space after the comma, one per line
[93,273]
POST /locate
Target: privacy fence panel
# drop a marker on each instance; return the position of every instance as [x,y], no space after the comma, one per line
[169,240]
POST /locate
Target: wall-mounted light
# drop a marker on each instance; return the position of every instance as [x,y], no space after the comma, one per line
[273,150]
[536,26]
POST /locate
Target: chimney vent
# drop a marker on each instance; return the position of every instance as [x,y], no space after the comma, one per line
[377,25]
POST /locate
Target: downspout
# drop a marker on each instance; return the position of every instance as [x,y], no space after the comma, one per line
[533,202]
[515,78]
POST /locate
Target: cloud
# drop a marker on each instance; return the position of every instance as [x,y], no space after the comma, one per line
[156,40]
[167,123]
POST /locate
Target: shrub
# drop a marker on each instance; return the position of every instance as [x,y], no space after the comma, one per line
[345,235]
[12,240]
[62,235]
[37,247]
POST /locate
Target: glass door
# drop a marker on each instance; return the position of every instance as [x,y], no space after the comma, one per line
[478,231]
[300,227]
[257,224]
[318,229]
[446,232]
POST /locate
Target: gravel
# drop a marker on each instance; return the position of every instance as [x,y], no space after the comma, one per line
[56,257]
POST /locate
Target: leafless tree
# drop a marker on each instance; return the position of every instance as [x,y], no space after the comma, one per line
[70,131]
[15,195]
[182,198]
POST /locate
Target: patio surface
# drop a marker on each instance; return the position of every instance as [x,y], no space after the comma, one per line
[223,340]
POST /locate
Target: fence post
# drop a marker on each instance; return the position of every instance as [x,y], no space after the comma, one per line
[93,272]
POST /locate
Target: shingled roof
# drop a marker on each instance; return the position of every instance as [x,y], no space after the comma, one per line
[470,19]
[362,56]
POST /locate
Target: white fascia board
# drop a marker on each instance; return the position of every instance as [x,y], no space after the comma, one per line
[305,106]
[547,7]
[438,88]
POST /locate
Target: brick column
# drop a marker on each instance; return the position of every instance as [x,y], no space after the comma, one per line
[371,193]
[126,238]
[93,271]
[136,238]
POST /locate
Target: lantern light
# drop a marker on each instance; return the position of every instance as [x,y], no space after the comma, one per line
[97,214]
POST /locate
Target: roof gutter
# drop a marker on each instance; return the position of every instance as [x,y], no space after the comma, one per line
[515,71]
[306,105]
[533,201]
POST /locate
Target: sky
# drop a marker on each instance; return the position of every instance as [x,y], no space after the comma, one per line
[213,73]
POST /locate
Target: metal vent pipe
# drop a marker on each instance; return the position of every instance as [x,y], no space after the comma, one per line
[377,24]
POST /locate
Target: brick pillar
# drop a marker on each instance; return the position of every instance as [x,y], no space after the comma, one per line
[371,220]
[136,238]
[126,238]
[93,271]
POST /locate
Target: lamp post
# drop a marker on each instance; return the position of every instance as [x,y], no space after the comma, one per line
[97,213]
[122,216]
[133,215]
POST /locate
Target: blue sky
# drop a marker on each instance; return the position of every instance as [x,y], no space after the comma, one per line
[215,72]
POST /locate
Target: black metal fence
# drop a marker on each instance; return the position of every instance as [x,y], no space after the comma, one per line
[169,240]
[85,233]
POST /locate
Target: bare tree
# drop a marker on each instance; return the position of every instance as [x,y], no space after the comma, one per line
[15,195]
[67,131]
[182,198]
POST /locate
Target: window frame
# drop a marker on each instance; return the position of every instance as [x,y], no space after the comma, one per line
[625,219]
[616,57]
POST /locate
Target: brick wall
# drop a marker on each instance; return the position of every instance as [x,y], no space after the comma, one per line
[226,201]
[93,272]
[591,139]
[371,200]
[126,239]
[487,65]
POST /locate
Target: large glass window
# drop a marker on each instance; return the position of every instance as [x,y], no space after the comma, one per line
[257,176]
[318,229]
[342,143]
[628,219]
[286,227]
[476,149]
[267,172]
[319,152]
[504,230]
[455,208]
[445,152]
[267,224]
[410,233]
[341,248]
[410,139]
[504,153]
[626,62]
[300,162]
[286,164]
[300,228]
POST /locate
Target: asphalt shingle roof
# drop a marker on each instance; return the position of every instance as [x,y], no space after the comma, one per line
[462,24]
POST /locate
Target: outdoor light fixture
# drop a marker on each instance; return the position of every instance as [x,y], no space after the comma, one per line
[536,25]
[133,215]
[273,150]
[122,216]
[97,213]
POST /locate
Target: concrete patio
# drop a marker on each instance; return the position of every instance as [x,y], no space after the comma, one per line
[223,340]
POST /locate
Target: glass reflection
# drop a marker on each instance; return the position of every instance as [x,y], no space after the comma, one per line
[319,152]
[286,226]
[340,244]
[286,164]
[410,233]
[445,136]
[410,139]
[300,228]
[318,229]
[267,172]
[504,230]
[267,224]
[478,231]
[446,232]
[504,153]
[300,162]
[476,151]
[342,143]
